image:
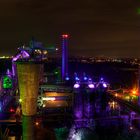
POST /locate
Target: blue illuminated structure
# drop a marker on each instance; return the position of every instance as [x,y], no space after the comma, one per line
[85,78]
[67,78]
[77,78]
[64,55]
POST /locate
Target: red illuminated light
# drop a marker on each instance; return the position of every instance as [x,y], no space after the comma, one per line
[65,35]
[12,110]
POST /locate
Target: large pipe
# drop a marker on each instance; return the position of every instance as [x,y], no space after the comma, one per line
[28,80]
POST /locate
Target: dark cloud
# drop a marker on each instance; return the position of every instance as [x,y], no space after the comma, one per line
[96,27]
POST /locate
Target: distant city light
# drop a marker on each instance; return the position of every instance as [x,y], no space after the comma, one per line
[76,85]
[5,57]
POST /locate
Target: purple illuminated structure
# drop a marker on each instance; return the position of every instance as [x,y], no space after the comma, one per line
[78,105]
[64,55]
[91,86]
[77,85]
[8,73]
[22,54]
[104,85]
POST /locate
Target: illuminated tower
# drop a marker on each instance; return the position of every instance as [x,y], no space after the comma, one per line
[28,80]
[64,55]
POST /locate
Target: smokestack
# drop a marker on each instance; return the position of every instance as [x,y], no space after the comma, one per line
[64,55]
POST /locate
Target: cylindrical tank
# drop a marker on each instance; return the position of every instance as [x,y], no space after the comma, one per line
[28,80]
[29,74]
[28,128]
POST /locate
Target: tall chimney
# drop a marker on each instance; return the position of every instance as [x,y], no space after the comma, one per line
[64,55]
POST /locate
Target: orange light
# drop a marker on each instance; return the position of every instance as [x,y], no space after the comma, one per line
[36,123]
[134,91]
[116,95]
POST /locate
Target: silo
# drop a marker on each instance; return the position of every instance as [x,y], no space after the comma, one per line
[28,80]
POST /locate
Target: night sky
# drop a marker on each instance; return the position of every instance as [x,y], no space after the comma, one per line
[96,27]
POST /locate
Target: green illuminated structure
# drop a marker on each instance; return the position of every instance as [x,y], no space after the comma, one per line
[7,82]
